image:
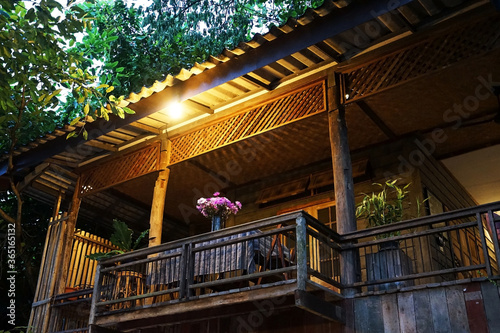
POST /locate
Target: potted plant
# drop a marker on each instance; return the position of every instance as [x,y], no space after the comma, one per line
[126,282]
[121,238]
[379,209]
[217,209]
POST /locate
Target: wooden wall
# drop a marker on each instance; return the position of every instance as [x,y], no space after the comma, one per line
[469,308]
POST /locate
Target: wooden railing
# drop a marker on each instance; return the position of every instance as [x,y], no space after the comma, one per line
[297,249]
[451,246]
[292,248]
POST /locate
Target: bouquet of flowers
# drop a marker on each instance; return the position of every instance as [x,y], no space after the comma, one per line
[217,205]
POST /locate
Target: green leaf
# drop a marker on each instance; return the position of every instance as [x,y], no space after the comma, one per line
[86,109]
[128,110]
[122,236]
[120,112]
[49,97]
[85,134]
[74,121]
[139,239]
[70,135]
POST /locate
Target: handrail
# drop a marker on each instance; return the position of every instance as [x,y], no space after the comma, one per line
[421,221]
[269,221]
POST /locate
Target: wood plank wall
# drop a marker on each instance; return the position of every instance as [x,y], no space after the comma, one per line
[465,308]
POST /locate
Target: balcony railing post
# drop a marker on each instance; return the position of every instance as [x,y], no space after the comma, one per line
[483,243]
[183,278]
[95,296]
[494,237]
[189,269]
[301,245]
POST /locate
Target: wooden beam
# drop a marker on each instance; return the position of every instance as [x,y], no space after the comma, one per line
[342,174]
[197,106]
[318,306]
[101,329]
[376,119]
[258,82]
[209,306]
[32,176]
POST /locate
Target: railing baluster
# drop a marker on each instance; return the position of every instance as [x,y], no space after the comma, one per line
[183,274]
[190,269]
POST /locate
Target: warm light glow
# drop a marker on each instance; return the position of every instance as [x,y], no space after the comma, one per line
[175,110]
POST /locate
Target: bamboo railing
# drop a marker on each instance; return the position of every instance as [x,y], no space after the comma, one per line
[69,310]
[81,271]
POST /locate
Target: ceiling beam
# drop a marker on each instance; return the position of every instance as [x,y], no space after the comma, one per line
[376,119]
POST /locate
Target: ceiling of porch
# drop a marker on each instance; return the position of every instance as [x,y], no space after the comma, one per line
[418,107]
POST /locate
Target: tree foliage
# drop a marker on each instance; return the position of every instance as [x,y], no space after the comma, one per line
[138,45]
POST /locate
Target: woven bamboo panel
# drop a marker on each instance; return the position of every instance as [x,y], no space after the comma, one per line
[422,58]
[280,111]
[121,169]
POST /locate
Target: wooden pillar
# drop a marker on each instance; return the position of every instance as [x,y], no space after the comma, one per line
[342,174]
[57,205]
[159,195]
[69,236]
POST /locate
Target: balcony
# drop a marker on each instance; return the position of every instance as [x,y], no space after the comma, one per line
[286,263]
[291,261]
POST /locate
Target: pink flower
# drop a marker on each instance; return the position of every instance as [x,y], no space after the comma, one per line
[216,205]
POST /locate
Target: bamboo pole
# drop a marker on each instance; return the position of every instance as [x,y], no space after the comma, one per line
[159,195]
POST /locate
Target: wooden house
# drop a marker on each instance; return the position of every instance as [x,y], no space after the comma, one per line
[296,124]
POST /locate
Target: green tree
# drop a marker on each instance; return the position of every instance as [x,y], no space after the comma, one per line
[169,35]
[36,65]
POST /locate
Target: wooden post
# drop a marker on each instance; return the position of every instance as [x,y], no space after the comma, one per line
[159,194]
[68,237]
[301,248]
[342,174]
[57,205]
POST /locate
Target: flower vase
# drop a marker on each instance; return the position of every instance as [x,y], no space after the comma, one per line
[217,222]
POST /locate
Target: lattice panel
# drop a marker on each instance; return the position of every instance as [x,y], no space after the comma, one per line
[121,169]
[293,106]
[423,58]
